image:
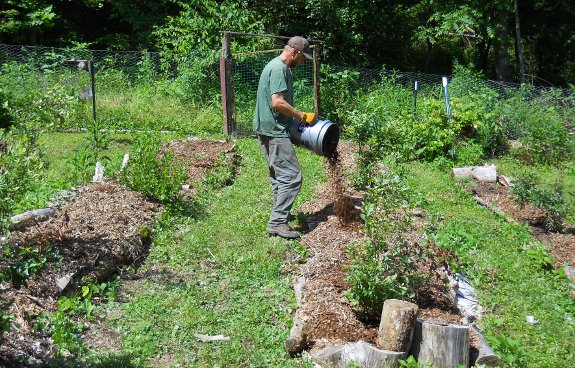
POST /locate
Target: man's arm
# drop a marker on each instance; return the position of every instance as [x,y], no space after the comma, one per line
[283,107]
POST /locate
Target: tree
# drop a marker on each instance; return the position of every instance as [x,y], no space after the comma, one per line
[24,21]
[197,27]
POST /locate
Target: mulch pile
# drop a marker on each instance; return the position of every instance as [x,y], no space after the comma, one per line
[95,235]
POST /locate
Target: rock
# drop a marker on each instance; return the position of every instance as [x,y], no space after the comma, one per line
[357,354]
[63,281]
[531,320]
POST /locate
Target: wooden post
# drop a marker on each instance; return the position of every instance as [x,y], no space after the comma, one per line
[316,78]
[445,346]
[227,87]
[397,325]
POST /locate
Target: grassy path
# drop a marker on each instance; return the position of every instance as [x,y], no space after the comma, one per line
[218,274]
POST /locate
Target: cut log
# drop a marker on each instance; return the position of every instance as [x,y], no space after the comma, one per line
[397,325]
[486,356]
[357,354]
[480,173]
[297,340]
[445,346]
[28,218]
[488,205]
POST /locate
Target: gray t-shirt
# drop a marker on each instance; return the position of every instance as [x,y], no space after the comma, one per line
[276,77]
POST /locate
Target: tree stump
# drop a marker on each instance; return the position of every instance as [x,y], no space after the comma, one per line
[445,346]
[397,325]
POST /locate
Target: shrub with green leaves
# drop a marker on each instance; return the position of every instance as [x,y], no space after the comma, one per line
[540,127]
[384,119]
[385,265]
[46,98]
[155,175]
[381,269]
[20,165]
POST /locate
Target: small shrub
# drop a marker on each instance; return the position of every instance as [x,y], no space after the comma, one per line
[380,270]
[528,190]
[154,175]
[385,265]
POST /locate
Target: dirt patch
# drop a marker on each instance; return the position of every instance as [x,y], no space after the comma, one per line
[200,156]
[334,222]
[561,245]
[103,230]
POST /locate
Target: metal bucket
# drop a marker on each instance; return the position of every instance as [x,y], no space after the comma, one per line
[322,137]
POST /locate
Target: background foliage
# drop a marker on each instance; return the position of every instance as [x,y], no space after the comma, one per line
[423,35]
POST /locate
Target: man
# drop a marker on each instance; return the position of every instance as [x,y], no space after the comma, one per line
[273,114]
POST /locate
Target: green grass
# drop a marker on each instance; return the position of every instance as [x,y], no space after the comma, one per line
[224,276]
[486,242]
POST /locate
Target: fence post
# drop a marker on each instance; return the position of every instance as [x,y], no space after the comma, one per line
[415,100]
[446,93]
[316,78]
[227,87]
[91,70]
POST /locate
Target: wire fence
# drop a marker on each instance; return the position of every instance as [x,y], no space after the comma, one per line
[199,77]
[247,68]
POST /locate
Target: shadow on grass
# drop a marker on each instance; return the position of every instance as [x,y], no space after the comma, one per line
[111,360]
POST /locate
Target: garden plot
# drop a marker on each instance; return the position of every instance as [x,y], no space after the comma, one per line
[561,245]
[105,229]
[324,316]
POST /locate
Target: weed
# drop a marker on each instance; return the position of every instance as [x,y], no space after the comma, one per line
[65,326]
[510,350]
[410,362]
[19,263]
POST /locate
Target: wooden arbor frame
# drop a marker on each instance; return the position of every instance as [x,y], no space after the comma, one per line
[227,77]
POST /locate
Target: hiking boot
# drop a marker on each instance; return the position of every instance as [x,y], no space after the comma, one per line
[283,231]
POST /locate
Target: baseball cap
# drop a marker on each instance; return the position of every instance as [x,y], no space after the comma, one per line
[301,44]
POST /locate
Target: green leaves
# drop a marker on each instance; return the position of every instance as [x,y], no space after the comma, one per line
[153,174]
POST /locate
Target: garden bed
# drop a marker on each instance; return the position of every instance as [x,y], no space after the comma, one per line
[561,245]
[103,231]
[328,316]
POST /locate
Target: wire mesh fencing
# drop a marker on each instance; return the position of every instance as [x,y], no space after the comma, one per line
[136,89]
[246,71]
